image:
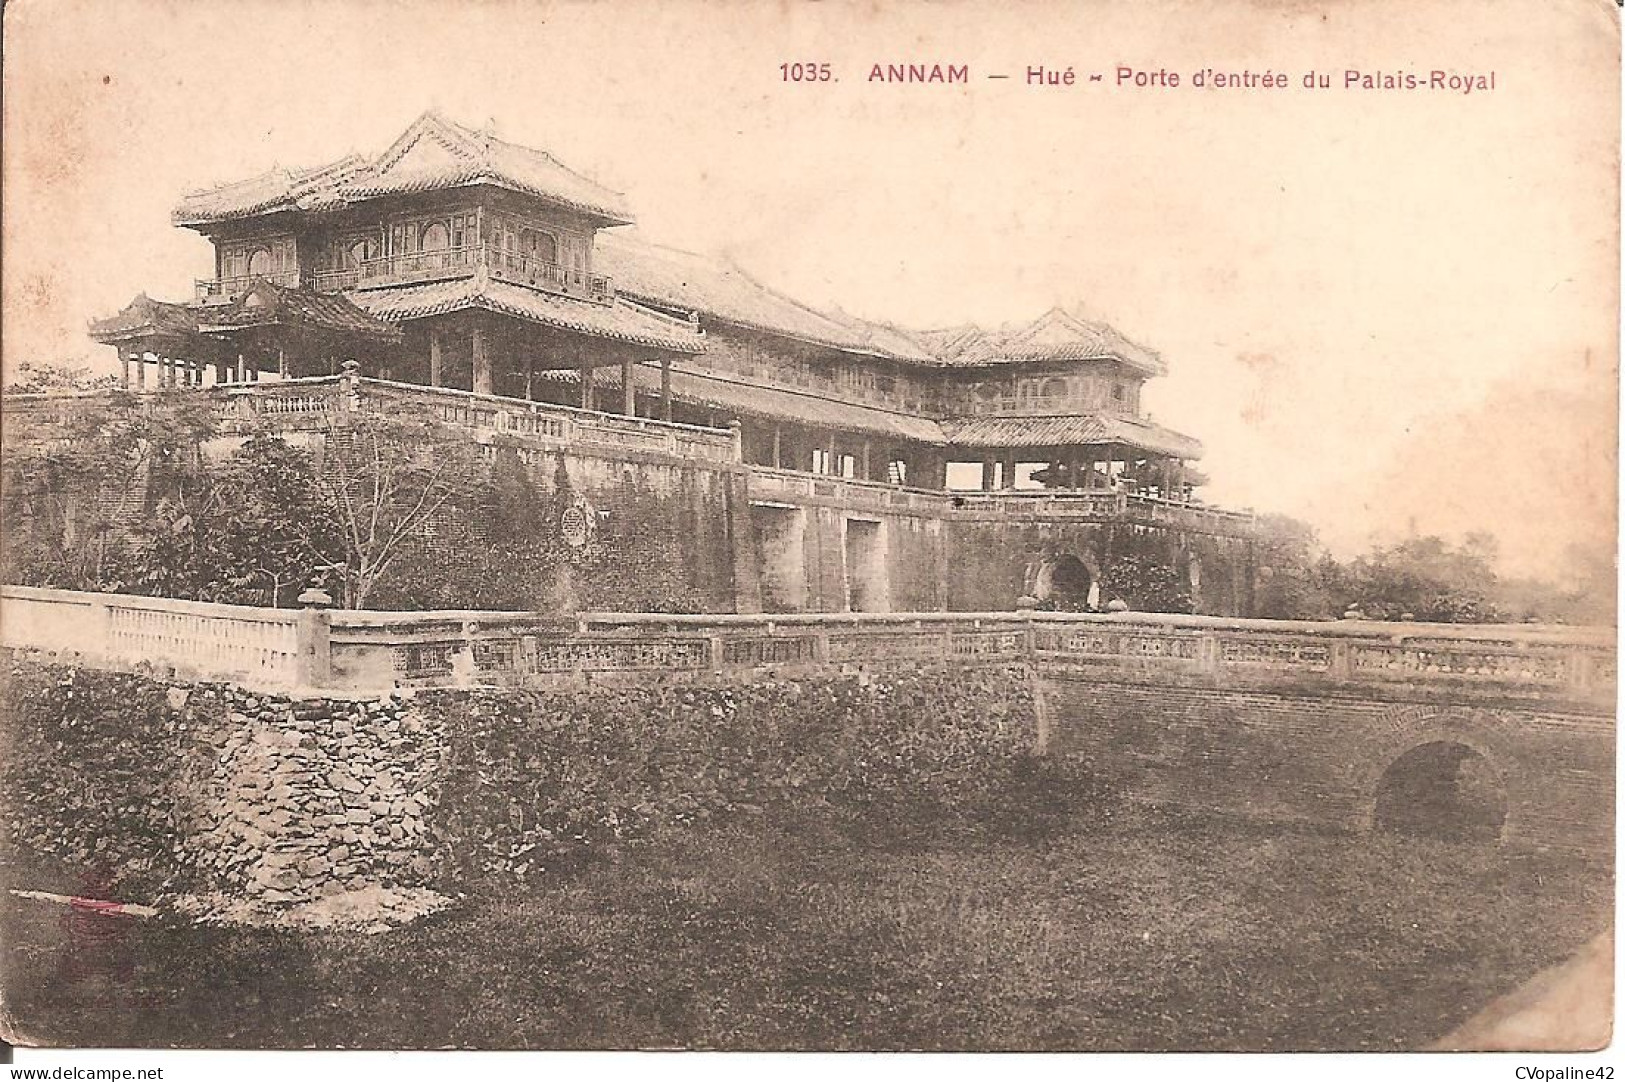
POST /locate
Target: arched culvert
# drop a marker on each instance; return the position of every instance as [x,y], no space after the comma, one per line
[1442,789]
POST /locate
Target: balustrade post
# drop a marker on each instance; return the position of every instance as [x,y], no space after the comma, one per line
[713,645]
[314,636]
[736,432]
[1340,663]
[1580,672]
[99,641]
[1041,714]
[352,386]
[1210,653]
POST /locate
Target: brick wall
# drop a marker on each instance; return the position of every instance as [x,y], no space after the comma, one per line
[1318,759]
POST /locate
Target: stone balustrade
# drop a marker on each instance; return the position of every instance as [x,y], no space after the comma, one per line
[310,403]
[362,652]
[256,647]
[1075,505]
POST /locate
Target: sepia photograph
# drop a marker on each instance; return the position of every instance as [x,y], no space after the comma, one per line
[808,527]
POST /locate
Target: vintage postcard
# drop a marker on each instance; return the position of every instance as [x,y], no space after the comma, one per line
[952,526]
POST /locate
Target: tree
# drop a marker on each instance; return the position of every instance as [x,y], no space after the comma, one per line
[1428,579]
[1292,571]
[1582,593]
[1147,582]
[50,378]
[279,529]
[388,483]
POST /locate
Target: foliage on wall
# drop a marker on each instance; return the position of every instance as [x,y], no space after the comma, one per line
[254,529]
[537,777]
[1145,570]
[132,775]
[74,504]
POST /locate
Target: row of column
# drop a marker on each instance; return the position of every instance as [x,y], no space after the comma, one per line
[483,376]
[830,449]
[170,372]
[1072,472]
[788,451]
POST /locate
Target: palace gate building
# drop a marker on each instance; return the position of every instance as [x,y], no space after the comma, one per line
[826,463]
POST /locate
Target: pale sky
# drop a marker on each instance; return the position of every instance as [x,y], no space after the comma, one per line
[1379,307]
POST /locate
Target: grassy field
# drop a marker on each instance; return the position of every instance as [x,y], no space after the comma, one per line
[1077,930]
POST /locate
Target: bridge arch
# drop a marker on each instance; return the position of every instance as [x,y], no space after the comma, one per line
[1427,738]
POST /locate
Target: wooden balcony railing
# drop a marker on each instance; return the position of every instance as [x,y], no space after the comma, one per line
[447,263]
[554,277]
[335,281]
[410,267]
[222,289]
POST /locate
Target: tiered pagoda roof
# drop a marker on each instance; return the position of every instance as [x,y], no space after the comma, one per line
[676,279]
[1069,430]
[262,304]
[433,154]
[619,321]
[1057,335]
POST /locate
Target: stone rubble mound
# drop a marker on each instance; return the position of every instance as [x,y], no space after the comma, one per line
[320,800]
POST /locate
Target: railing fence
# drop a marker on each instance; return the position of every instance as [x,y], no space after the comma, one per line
[350,652]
